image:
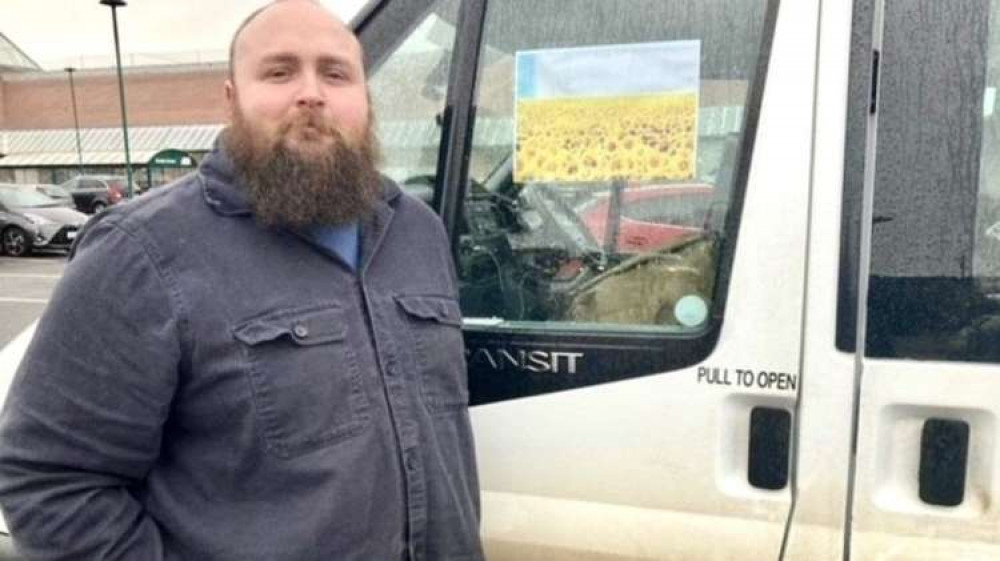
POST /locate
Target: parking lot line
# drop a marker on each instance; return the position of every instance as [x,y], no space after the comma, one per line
[27,276]
[23,301]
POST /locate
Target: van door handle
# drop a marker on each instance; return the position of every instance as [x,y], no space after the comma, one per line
[944,460]
[770,438]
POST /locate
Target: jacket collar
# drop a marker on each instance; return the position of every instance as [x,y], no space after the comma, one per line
[226,197]
[218,183]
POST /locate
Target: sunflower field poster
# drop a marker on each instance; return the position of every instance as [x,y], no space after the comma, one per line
[590,114]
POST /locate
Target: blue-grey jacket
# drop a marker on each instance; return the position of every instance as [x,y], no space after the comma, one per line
[202,388]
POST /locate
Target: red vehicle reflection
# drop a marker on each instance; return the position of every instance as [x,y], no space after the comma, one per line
[651,217]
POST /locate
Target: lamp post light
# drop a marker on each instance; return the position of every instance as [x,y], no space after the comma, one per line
[114,5]
[76,119]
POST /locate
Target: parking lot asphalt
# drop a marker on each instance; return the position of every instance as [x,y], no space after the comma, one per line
[26,283]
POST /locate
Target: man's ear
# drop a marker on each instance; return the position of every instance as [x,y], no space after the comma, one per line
[230,91]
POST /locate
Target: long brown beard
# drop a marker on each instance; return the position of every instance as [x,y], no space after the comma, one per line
[315,185]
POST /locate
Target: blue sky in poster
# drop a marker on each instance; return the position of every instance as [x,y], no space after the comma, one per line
[609,70]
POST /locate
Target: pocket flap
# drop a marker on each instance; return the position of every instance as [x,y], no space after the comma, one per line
[303,327]
[435,308]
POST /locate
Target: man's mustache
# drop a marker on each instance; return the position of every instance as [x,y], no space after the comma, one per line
[311,120]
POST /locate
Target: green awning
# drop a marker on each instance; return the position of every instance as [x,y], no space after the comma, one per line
[171,158]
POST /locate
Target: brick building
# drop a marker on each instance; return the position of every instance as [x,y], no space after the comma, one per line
[154,96]
[175,108]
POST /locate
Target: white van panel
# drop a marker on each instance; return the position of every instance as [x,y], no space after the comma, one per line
[898,397]
[824,415]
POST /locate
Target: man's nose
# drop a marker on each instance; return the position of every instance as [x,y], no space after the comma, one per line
[310,93]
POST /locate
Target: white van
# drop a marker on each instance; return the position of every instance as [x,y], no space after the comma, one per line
[716,395]
[771,332]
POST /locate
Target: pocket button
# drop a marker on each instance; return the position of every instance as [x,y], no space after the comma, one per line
[300,331]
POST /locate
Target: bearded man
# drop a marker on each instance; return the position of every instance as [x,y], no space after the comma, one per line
[263,361]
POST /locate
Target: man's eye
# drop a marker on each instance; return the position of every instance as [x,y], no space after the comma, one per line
[335,74]
[277,73]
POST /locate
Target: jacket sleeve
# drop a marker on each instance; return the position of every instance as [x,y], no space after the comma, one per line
[83,421]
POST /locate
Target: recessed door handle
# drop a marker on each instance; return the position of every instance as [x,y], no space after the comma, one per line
[944,460]
[770,437]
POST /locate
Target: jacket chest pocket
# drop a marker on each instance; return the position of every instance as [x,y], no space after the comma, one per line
[306,385]
[435,323]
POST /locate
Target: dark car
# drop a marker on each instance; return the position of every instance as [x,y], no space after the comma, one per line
[94,193]
[32,221]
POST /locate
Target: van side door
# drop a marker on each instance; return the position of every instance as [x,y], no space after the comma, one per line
[925,481]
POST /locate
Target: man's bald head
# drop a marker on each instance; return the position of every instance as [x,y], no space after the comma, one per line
[295,55]
[253,15]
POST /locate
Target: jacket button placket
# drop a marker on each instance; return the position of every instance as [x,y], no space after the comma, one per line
[404,404]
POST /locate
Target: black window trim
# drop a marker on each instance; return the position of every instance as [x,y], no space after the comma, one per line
[858,105]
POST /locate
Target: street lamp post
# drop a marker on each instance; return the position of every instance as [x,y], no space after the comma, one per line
[76,119]
[114,5]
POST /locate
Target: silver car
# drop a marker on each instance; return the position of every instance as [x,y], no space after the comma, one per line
[31,221]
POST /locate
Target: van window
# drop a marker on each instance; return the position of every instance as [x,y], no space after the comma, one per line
[408,97]
[934,285]
[601,171]
[594,250]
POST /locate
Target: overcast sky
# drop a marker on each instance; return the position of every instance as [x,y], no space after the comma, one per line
[58,33]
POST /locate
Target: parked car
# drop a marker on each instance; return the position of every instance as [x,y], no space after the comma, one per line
[650,217]
[56,192]
[94,193]
[62,196]
[32,221]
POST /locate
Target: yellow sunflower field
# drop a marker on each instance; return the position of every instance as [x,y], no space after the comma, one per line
[605,138]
